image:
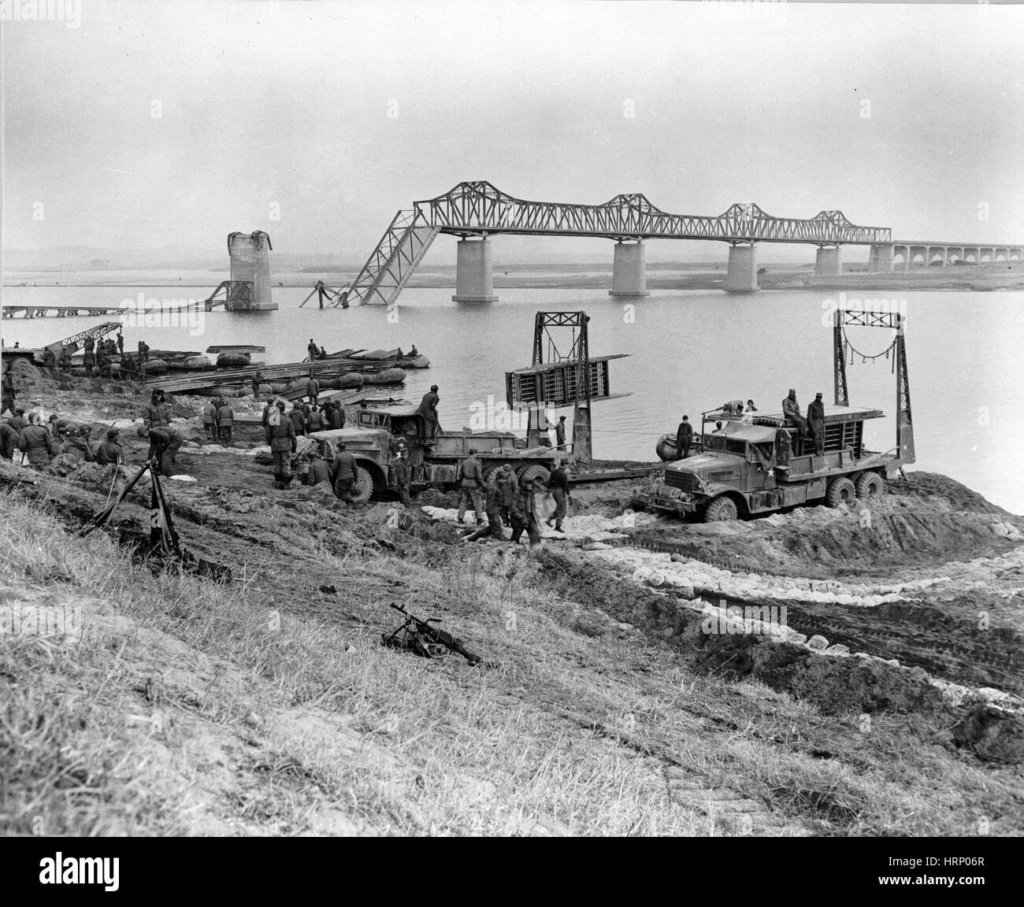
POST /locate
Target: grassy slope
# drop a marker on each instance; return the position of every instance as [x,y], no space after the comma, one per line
[191,708]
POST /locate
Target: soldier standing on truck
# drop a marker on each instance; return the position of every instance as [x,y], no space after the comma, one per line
[791,410]
[560,433]
[343,473]
[684,436]
[816,420]
[472,479]
[428,414]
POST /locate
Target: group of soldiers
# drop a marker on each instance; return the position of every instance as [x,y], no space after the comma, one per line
[98,359]
[507,500]
[811,427]
[39,443]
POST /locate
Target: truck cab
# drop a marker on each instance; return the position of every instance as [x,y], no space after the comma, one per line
[751,464]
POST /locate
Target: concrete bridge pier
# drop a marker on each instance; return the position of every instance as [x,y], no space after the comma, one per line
[629,276]
[742,274]
[829,261]
[474,278]
[881,257]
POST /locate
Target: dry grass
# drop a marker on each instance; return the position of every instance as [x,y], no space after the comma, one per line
[193,708]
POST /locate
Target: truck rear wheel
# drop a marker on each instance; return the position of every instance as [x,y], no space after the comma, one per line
[720,510]
[488,474]
[840,491]
[364,486]
[869,484]
[529,473]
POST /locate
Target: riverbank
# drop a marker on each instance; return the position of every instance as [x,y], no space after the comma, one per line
[606,706]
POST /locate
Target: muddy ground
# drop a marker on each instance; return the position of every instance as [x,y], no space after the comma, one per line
[959,616]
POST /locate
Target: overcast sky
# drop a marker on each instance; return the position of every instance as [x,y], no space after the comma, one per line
[166,123]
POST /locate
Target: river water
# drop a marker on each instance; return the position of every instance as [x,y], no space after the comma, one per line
[688,351]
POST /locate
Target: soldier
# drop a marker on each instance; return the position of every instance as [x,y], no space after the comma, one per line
[558,485]
[9,438]
[18,422]
[89,360]
[164,441]
[109,452]
[49,359]
[816,420]
[472,480]
[65,359]
[312,389]
[428,414]
[507,488]
[791,410]
[90,345]
[103,362]
[315,420]
[129,368]
[120,343]
[225,420]
[336,416]
[282,440]
[35,443]
[257,380]
[493,527]
[298,418]
[403,477]
[143,351]
[343,473]
[560,433]
[524,513]
[684,437]
[210,420]
[312,349]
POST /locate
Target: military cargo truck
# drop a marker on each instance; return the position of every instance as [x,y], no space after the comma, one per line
[379,433]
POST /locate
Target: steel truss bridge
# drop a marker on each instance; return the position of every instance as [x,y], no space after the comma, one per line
[479,209]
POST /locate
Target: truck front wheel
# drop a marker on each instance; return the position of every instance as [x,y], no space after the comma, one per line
[840,491]
[364,485]
[720,509]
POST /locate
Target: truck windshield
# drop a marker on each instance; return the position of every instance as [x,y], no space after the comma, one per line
[724,443]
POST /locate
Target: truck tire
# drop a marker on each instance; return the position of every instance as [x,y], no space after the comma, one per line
[488,474]
[840,491]
[364,486]
[720,510]
[529,473]
[869,484]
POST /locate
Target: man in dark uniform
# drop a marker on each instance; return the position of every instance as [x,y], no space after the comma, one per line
[471,476]
[89,361]
[281,437]
[343,472]
[684,437]
[8,441]
[109,452]
[524,513]
[298,418]
[257,380]
[65,359]
[164,441]
[403,477]
[19,421]
[120,343]
[791,410]
[560,433]
[816,420]
[313,389]
[428,414]
[558,485]
[36,444]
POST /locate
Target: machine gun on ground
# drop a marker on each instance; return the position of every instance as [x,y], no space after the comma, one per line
[427,641]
